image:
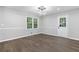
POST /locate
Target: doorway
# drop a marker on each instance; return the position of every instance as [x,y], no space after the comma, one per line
[62,26]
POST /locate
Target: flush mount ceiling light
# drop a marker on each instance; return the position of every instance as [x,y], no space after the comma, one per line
[41,8]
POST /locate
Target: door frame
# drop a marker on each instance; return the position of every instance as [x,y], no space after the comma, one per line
[66,25]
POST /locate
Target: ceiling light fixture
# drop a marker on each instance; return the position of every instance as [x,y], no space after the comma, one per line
[41,8]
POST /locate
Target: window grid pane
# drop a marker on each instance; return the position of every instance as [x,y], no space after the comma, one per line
[29,22]
[35,23]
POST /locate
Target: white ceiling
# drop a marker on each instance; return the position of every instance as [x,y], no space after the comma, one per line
[49,9]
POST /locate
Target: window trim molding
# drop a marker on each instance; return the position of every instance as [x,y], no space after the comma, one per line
[32,22]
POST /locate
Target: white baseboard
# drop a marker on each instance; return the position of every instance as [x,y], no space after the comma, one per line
[17,37]
[35,34]
[62,36]
[73,38]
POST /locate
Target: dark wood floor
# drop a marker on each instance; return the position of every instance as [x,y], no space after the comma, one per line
[40,43]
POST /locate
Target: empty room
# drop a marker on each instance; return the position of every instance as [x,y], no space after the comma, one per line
[39,28]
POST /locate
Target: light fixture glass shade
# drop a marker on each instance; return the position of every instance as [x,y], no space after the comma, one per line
[42,10]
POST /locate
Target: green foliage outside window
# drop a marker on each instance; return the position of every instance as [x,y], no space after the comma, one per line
[35,23]
[29,22]
[63,22]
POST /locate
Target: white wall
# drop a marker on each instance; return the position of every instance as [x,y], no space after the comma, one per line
[13,24]
[50,23]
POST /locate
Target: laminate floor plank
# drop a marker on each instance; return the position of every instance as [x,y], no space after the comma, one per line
[40,43]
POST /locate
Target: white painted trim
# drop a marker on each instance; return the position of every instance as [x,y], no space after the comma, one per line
[67,26]
[36,34]
[32,22]
[73,38]
[63,37]
[17,37]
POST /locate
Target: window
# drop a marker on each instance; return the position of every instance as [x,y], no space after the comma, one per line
[29,22]
[63,22]
[35,22]
[32,23]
